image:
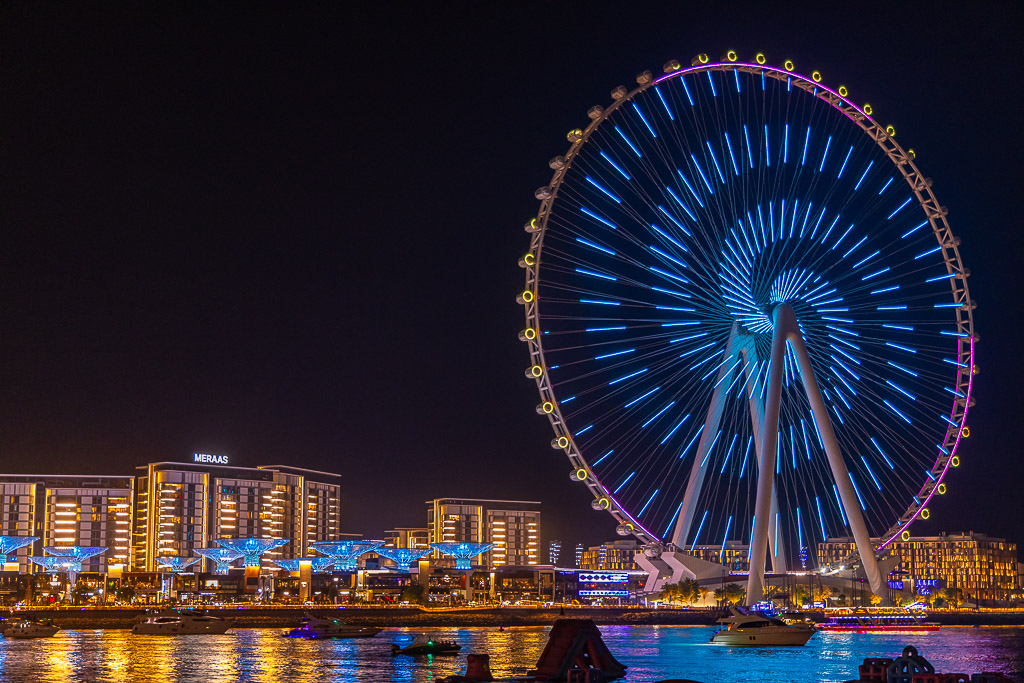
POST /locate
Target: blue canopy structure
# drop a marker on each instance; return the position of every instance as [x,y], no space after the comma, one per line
[319,564]
[8,544]
[75,554]
[177,564]
[345,553]
[403,557]
[222,556]
[462,552]
[251,548]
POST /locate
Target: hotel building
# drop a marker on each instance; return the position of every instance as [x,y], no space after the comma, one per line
[984,568]
[407,537]
[69,510]
[611,555]
[513,526]
[183,506]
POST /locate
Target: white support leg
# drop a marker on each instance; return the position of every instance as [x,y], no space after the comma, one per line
[766,465]
[840,474]
[711,423]
[776,545]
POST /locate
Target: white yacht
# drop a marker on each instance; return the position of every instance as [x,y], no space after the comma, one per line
[180,623]
[26,628]
[758,630]
[314,627]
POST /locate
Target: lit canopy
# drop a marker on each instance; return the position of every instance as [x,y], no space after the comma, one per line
[75,555]
[176,563]
[403,557]
[462,552]
[319,564]
[222,556]
[251,548]
[8,544]
[346,552]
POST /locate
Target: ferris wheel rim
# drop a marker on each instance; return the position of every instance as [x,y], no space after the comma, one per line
[926,200]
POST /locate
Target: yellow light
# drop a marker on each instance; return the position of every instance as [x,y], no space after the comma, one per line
[905,535]
[816,76]
[941,489]
[548,407]
[731,55]
[867,109]
[574,135]
[955,461]
[528,259]
[843,92]
[527,296]
[925,513]
[788,65]
[702,58]
[912,153]
[536,371]
[966,431]
[890,131]
[530,333]
[581,474]
[760,58]
[561,442]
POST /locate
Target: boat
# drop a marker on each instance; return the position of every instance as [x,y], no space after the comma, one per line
[26,628]
[180,623]
[881,620]
[314,628]
[424,645]
[754,629]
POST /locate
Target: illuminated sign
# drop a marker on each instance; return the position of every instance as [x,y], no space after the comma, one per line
[603,578]
[210,459]
[604,594]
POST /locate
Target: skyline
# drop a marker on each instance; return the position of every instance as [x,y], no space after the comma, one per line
[277,240]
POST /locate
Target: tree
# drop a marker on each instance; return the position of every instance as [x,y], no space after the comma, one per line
[415,593]
[124,594]
[954,596]
[734,593]
[690,591]
[876,600]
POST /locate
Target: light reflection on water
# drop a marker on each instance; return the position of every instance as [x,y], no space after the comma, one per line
[651,653]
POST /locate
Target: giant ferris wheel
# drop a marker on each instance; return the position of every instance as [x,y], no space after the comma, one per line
[747,316]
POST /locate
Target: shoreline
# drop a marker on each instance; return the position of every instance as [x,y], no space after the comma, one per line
[413,617]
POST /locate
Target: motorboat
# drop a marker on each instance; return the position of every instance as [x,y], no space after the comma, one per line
[180,623]
[26,628]
[753,629]
[314,627]
[424,645]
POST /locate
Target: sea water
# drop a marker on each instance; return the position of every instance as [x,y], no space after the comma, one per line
[652,653]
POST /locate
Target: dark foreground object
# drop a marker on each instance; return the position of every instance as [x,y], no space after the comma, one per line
[910,667]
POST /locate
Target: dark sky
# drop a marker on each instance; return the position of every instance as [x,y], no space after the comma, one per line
[290,234]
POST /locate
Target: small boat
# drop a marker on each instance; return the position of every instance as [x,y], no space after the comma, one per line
[757,630]
[426,646]
[180,623]
[26,628]
[314,628]
[881,620]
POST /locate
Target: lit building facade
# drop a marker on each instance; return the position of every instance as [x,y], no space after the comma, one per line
[616,555]
[185,506]
[984,568]
[513,526]
[68,510]
[554,550]
[415,538]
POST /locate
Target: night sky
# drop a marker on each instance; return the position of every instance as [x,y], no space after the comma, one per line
[290,235]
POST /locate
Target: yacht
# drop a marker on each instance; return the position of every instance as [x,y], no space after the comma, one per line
[754,629]
[26,628]
[317,627]
[180,623]
[878,620]
[424,645]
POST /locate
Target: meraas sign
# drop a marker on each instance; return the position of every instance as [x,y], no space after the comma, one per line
[210,459]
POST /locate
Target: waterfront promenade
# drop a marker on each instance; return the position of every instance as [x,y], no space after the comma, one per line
[469,617]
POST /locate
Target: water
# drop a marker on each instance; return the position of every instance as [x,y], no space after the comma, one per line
[651,652]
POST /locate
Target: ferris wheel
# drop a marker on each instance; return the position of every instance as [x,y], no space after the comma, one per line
[747,316]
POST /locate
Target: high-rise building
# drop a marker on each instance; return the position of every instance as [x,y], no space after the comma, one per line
[611,555]
[579,555]
[982,567]
[183,506]
[554,550]
[513,526]
[407,537]
[64,510]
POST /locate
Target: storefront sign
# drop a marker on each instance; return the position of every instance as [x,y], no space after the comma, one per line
[208,459]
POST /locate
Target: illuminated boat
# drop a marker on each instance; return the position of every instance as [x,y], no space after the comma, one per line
[864,621]
[757,630]
[181,623]
[26,628]
[427,646]
[315,628]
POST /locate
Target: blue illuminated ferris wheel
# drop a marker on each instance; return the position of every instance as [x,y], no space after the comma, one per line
[748,317]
